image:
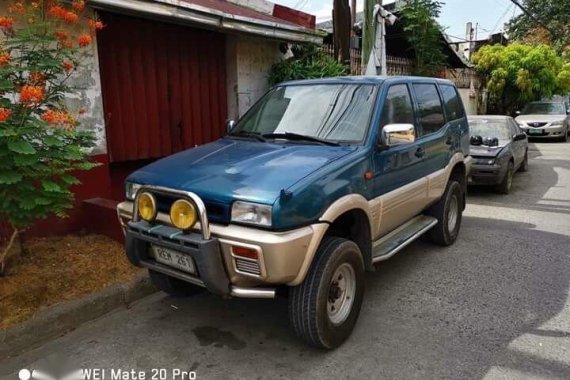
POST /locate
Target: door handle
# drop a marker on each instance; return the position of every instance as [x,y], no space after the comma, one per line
[449,140]
[420,153]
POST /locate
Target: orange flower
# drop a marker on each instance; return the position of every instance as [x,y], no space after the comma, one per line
[18,8]
[37,79]
[4,114]
[70,17]
[61,35]
[68,66]
[96,25]
[6,22]
[82,111]
[4,58]
[35,5]
[78,5]
[31,94]
[59,118]
[57,11]
[84,40]
[67,44]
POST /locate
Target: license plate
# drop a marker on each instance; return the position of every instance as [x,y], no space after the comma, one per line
[174,259]
[535,131]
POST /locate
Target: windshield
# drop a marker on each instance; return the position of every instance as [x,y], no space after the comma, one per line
[490,128]
[331,112]
[544,109]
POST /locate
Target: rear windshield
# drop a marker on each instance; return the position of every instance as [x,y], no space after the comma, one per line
[490,128]
[544,109]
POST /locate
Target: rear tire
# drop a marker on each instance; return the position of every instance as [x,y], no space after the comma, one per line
[324,308]
[173,286]
[448,211]
[524,166]
[507,182]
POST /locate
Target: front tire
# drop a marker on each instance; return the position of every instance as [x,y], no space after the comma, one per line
[524,166]
[173,286]
[448,211]
[324,308]
[507,182]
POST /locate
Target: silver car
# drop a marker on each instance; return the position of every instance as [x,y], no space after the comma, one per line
[545,120]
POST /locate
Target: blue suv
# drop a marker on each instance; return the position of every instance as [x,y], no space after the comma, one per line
[320,180]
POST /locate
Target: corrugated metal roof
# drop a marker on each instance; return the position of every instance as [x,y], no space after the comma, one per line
[237,10]
[218,14]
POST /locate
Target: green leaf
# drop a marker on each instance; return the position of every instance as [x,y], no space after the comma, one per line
[21,146]
[53,141]
[70,180]
[25,160]
[42,201]
[50,186]
[10,177]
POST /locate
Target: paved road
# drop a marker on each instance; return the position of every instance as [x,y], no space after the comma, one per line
[495,305]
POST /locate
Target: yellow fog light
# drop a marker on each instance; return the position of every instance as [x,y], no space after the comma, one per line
[183,214]
[147,207]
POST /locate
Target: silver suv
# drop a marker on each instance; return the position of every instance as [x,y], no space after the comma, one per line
[545,120]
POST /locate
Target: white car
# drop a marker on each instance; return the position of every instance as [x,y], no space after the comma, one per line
[545,120]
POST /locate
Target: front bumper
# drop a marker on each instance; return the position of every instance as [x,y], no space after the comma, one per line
[281,254]
[486,174]
[546,132]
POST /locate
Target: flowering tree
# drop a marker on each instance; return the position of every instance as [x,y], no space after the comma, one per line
[40,144]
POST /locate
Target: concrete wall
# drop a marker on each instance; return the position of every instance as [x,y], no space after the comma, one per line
[469,102]
[87,95]
[248,61]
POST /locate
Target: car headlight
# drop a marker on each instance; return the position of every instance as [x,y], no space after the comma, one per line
[251,213]
[131,190]
[183,214]
[485,161]
[147,206]
[557,123]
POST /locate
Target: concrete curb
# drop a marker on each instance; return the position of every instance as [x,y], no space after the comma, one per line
[58,319]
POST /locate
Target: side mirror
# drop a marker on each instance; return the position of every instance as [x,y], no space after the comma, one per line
[519,137]
[398,134]
[230,124]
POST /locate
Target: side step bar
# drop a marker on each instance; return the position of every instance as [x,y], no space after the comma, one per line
[401,237]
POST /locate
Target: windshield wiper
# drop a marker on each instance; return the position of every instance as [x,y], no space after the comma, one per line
[253,135]
[298,137]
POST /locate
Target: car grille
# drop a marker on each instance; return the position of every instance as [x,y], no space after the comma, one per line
[247,266]
[217,212]
[537,124]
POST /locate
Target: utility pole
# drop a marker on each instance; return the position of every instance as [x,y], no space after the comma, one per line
[368,31]
[353,13]
[341,24]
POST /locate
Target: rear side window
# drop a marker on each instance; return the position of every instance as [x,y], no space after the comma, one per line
[398,107]
[431,111]
[452,102]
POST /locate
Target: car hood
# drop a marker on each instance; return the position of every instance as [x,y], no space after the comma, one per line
[540,118]
[486,151]
[230,169]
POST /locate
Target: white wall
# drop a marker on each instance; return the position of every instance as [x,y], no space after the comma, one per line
[469,102]
[248,61]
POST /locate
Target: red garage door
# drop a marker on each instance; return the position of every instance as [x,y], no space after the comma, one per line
[164,87]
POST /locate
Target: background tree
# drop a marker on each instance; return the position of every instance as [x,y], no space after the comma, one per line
[418,18]
[554,14]
[40,144]
[517,74]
